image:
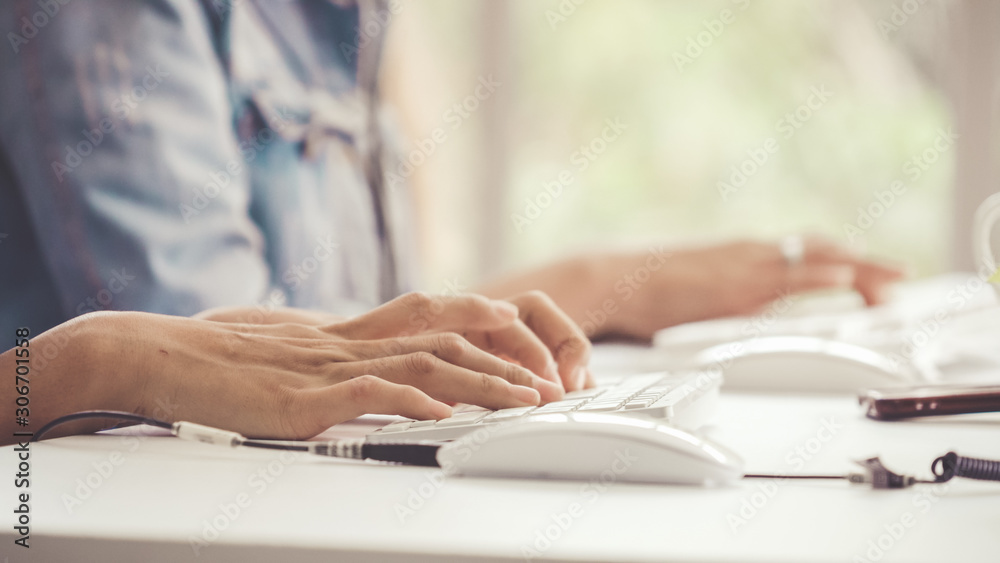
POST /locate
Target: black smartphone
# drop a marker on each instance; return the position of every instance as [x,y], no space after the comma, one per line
[929,400]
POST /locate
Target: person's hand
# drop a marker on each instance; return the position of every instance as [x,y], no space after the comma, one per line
[739,279]
[283,380]
[564,348]
[257,380]
[545,340]
[526,329]
[276,381]
[420,340]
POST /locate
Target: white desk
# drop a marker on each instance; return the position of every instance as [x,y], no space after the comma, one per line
[318,509]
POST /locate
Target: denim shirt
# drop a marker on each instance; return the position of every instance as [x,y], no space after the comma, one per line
[175,155]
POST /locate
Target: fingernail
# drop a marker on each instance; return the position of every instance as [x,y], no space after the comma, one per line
[441,410]
[526,395]
[580,377]
[549,391]
[505,308]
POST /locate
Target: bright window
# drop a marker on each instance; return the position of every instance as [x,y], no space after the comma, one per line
[742,119]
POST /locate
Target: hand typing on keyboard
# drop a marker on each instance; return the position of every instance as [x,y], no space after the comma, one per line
[684,399]
[526,340]
[293,374]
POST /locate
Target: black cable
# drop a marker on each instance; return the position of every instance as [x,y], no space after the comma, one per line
[275,445]
[953,465]
[83,415]
[766,476]
[423,454]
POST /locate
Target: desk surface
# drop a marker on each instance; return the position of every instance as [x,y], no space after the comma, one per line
[159,493]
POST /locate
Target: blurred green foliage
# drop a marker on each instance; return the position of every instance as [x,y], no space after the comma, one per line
[688,126]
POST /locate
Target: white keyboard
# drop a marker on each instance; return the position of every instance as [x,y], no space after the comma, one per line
[886,328]
[683,399]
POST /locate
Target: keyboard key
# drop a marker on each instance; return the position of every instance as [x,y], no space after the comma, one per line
[598,407]
[584,394]
[565,403]
[421,424]
[560,406]
[504,414]
[462,418]
[639,403]
[620,397]
[397,426]
[614,402]
[644,395]
[463,408]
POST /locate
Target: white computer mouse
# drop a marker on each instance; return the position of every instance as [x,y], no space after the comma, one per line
[591,446]
[802,363]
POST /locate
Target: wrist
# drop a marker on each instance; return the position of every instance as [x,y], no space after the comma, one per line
[603,282]
[640,284]
[97,366]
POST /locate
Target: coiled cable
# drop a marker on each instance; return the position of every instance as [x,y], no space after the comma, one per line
[953,465]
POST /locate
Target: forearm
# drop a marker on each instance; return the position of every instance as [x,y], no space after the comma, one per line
[588,288]
[73,367]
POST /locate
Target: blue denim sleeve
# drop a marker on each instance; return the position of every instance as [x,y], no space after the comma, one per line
[117,125]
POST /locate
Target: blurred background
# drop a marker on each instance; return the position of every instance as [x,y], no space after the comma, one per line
[855,95]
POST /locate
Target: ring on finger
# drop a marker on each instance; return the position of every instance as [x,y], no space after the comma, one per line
[792,249]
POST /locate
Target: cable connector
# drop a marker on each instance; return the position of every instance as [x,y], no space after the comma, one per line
[879,476]
[348,448]
[206,434]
